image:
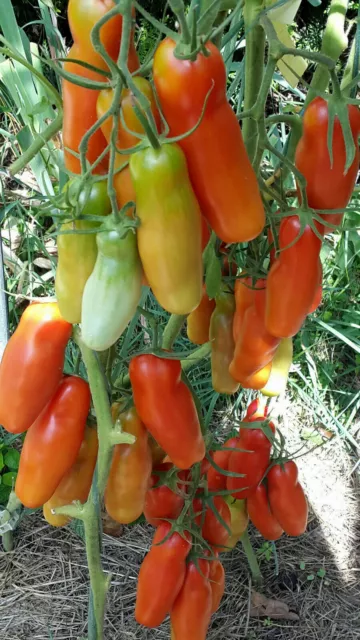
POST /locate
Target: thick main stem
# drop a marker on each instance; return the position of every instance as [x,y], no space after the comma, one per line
[99,582]
[100,396]
[334,43]
[254,66]
[251,558]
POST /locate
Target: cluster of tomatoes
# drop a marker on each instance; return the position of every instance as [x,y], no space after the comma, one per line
[53,409]
[202,512]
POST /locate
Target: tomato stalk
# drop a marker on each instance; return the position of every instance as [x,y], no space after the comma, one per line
[254,67]
[251,558]
[172,330]
[334,43]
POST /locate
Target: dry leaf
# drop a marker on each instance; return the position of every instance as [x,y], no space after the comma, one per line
[111,527]
[42,263]
[261,606]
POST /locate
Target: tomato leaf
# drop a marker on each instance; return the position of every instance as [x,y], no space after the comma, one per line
[1,461]
[4,493]
[213,276]
[8,478]
[12,459]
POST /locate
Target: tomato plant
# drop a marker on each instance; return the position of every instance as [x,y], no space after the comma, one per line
[171,204]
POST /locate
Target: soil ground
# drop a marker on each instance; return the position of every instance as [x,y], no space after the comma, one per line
[43,582]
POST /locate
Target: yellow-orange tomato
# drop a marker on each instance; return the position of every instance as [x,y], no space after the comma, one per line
[84,14]
[76,484]
[130,471]
[122,181]
[198,321]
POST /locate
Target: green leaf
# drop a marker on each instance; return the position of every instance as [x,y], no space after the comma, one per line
[4,494]
[302,565]
[310,577]
[213,278]
[12,459]
[9,478]
[321,573]
[1,461]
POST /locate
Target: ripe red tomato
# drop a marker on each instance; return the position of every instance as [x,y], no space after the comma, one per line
[161,576]
[39,344]
[52,444]
[287,499]
[191,612]
[216,479]
[252,461]
[261,515]
[212,529]
[217,581]
[161,501]
[327,184]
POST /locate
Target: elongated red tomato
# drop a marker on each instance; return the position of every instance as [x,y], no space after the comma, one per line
[75,484]
[52,444]
[78,121]
[327,184]
[161,501]
[287,499]
[293,279]
[252,461]
[244,298]
[217,480]
[217,582]
[161,576]
[130,470]
[220,171]
[255,345]
[212,529]
[166,406]
[83,15]
[191,612]
[38,344]
[257,409]
[261,515]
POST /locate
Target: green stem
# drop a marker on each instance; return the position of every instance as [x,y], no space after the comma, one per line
[172,330]
[334,43]
[99,392]
[198,355]
[90,515]
[254,68]
[349,71]
[99,581]
[13,505]
[251,558]
[37,144]
[177,7]
[96,39]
